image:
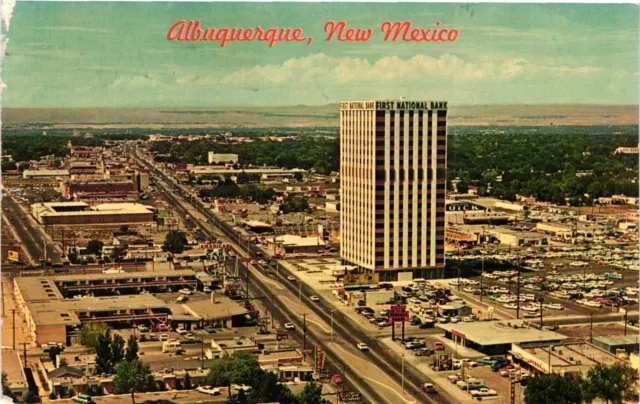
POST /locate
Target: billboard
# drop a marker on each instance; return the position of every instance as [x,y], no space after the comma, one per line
[281,335]
[14,256]
[355,280]
[398,313]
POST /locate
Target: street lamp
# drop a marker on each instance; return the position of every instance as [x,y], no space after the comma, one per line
[540,300]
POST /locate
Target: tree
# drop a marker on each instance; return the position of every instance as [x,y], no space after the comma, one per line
[552,388]
[95,247]
[132,377]
[132,349]
[5,387]
[104,362]
[54,351]
[312,394]
[175,241]
[613,384]
[117,349]
[91,332]
[240,368]
[267,389]
[298,176]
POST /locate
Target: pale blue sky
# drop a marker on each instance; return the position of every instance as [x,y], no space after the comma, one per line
[73,54]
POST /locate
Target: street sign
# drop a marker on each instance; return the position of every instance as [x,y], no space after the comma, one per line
[398,313]
[280,335]
[211,246]
[349,396]
[319,358]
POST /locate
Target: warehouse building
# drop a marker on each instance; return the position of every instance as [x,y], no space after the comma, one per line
[517,238]
[79,213]
[616,343]
[45,173]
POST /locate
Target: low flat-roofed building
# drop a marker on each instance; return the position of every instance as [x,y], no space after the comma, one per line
[96,191]
[611,343]
[257,226]
[496,337]
[555,229]
[564,358]
[518,238]
[294,244]
[16,379]
[79,213]
[222,311]
[45,173]
[214,158]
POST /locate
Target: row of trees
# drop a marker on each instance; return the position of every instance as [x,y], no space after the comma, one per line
[243,368]
[613,384]
[320,153]
[114,356]
[230,189]
[551,163]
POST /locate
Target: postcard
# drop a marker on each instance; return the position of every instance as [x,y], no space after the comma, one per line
[294,202]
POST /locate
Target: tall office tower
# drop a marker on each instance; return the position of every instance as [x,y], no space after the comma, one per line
[393,159]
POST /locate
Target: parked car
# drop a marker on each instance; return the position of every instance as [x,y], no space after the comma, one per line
[210,329]
[438,346]
[289,326]
[314,298]
[212,391]
[185,291]
[428,388]
[336,378]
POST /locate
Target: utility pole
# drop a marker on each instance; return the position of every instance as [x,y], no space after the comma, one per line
[300,293]
[540,300]
[14,328]
[403,373]
[272,310]
[591,329]
[481,277]
[518,292]
[202,352]
[304,328]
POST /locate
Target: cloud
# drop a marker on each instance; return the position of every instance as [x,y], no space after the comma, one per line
[7,12]
[72,29]
[323,68]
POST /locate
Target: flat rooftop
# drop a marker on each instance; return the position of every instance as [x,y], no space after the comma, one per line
[12,365]
[58,312]
[613,340]
[34,288]
[123,275]
[571,357]
[489,333]
[294,240]
[222,308]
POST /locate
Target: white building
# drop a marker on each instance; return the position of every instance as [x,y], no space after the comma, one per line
[216,158]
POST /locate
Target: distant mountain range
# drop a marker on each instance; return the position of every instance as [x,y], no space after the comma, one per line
[306,116]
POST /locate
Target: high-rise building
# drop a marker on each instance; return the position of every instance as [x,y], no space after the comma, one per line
[393,159]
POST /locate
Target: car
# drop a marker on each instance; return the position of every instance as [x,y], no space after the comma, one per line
[362,346]
[185,291]
[415,345]
[468,289]
[181,331]
[423,352]
[553,306]
[314,298]
[289,326]
[291,278]
[453,379]
[163,327]
[439,346]
[189,337]
[510,306]
[428,388]
[206,289]
[427,324]
[210,329]
[336,378]
[153,337]
[164,337]
[484,392]
[212,391]
[182,299]
[83,399]
[143,328]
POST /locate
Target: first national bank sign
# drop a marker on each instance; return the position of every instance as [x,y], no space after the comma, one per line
[393,105]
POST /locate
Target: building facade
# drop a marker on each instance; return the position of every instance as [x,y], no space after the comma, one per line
[393,159]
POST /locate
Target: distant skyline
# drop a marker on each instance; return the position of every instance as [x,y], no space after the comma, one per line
[98,54]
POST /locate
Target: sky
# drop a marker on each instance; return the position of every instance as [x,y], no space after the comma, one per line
[115,54]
